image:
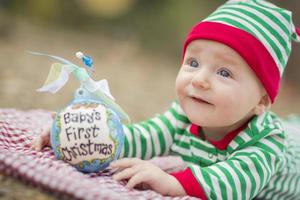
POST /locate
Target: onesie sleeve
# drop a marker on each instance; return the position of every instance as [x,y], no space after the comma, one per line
[242,176]
[152,137]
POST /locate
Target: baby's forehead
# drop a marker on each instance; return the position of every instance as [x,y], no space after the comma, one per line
[218,49]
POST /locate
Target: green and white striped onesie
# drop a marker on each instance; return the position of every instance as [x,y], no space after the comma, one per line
[260,161]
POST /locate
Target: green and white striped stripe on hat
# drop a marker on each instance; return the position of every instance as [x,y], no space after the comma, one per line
[258,30]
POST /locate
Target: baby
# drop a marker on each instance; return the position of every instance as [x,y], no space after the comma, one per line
[220,125]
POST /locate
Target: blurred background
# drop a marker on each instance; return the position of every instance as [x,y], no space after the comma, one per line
[136,45]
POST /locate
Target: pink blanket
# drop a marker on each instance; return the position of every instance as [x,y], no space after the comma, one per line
[41,169]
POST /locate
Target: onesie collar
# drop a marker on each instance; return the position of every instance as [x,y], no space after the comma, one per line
[220,144]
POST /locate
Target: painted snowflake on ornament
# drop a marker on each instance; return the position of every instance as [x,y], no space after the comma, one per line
[88,132]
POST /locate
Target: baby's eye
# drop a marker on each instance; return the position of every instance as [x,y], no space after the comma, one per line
[225,73]
[193,63]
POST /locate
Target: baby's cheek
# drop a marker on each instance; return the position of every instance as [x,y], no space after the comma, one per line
[230,118]
[179,86]
[229,111]
[235,112]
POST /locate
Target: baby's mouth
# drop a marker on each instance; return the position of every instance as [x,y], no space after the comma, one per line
[199,100]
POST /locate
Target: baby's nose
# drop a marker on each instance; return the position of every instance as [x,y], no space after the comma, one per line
[201,80]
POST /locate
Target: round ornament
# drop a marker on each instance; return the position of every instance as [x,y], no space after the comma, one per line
[87,134]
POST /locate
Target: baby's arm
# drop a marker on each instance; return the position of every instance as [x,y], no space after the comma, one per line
[43,139]
[242,176]
[152,137]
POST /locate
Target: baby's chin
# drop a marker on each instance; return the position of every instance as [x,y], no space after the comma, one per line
[200,121]
[210,121]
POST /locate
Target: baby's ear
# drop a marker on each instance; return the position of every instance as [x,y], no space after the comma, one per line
[263,105]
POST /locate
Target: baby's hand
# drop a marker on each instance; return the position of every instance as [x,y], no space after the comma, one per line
[43,139]
[145,175]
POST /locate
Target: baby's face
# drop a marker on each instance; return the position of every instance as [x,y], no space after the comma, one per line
[215,86]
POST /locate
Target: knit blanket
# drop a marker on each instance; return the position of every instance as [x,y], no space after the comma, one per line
[41,169]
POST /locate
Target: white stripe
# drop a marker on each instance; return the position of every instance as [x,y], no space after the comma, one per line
[233,144]
[237,183]
[136,137]
[166,134]
[271,185]
[146,135]
[268,46]
[154,136]
[187,163]
[268,5]
[181,150]
[293,189]
[204,154]
[272,145]
[276,14]
[259,122]
[129,139]
[270,121]
[276,186]
[245,136]
[216,186]
[285,186]
[246,177]
[204,143]
[273,159]
[178,109]
[266,18]
[266,31]
[254,30]
[171,118]
[224,179]
[261,155]
[201,179]
[253,171]
[175,122]
[240,138]
[275,132]
[279,124]
[221,157]
[187,139]
[182,138]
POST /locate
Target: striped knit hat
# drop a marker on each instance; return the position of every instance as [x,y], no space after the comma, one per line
[259,31]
